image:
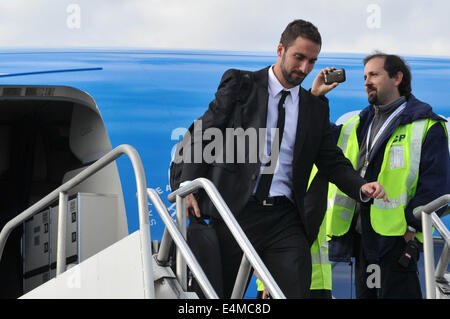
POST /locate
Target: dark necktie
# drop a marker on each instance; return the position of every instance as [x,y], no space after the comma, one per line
[266,177]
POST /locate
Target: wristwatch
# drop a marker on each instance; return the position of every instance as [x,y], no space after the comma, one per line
[411,229]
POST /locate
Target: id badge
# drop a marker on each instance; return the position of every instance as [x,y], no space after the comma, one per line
[396,158]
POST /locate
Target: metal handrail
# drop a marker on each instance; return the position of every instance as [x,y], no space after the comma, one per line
[181,243]
[432,206]
[236,230]
[429,218]
[145,238]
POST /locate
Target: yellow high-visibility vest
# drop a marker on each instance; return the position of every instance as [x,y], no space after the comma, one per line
[399,175]
[321,275]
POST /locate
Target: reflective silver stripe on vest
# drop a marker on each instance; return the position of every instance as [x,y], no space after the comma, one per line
[344,201]
[330,203]
[346,134]
[393,202]
[416,150]
[345,215]
[321,258]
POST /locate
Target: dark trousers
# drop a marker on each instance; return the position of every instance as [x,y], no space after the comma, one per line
[395,282]
[278,237]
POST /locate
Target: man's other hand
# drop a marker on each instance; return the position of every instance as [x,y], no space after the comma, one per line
[192,206]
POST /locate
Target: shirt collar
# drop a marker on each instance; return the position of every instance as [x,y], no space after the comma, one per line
[275,87]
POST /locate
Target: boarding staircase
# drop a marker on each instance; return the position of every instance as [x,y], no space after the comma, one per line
[437,278]
[129,268]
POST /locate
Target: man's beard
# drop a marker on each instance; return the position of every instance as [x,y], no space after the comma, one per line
[288,75]
[290,79]
[373,99]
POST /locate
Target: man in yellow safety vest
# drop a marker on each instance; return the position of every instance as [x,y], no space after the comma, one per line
[399,141]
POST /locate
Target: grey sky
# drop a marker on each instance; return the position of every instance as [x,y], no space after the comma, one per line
[411,27]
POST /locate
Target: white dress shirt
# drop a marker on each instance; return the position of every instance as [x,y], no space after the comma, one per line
[282,178]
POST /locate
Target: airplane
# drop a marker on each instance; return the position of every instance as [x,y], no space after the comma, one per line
[62,110]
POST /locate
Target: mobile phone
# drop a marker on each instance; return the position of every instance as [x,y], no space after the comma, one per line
[337,75]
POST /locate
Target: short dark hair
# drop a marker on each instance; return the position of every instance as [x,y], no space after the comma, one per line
[394,64]
[300,28]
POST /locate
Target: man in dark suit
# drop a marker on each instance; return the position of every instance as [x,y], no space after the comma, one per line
[268,203]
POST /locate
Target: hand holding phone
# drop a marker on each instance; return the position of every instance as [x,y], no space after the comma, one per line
[336,75]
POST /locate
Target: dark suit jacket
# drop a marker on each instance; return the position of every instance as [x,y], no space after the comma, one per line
[314,145]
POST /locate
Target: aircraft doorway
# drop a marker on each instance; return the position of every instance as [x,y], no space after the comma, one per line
[47,135]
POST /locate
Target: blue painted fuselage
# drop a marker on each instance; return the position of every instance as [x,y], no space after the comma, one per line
[144,95]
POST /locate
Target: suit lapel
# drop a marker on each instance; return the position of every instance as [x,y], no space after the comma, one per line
[302,124]
[262,96]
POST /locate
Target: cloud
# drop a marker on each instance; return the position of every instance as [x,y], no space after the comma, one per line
[404,27]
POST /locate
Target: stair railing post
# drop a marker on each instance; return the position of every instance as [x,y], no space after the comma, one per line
[61,244]
[181,267]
